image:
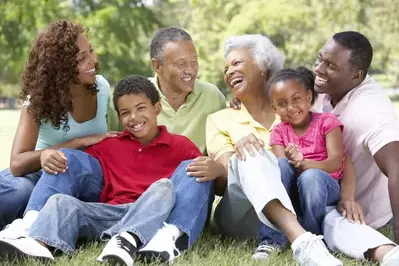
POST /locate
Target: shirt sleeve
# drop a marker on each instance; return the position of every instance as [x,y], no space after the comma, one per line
[218,142]
[329,122]
[92,150]
[375,125]
[276,137]
[191,150]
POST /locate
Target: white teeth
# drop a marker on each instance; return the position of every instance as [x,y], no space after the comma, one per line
[320,80]
[235,81]
[138,126]
[91,71]
[187,79]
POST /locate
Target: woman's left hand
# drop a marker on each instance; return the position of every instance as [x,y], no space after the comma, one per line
[249,143]
[205,169]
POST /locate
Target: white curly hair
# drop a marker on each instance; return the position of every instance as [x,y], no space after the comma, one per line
[265,54]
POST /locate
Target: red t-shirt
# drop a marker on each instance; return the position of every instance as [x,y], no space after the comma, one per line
[129,168]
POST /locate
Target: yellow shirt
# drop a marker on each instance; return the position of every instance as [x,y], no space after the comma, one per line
[226,127]
[190,119]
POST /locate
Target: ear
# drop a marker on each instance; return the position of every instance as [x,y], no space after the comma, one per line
[309,97]
[358,76]
[156,65]
[274,107]
[158,107]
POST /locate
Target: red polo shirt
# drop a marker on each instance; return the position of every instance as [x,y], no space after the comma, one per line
[129,168]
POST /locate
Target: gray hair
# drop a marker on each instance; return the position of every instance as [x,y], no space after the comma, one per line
[265,54]
[163,36]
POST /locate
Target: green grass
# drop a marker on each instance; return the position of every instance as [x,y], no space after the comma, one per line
[210,249]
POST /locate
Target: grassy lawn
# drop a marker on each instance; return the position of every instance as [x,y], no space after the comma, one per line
[211,249]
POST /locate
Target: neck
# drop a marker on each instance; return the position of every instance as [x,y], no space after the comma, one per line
[78,91]
[258,107]
[175,98]
[149,137]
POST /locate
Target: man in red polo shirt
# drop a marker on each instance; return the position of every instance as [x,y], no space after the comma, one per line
[141,206]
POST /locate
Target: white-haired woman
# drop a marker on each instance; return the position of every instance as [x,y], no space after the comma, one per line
[252,190]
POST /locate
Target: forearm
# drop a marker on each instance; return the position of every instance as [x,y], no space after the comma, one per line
[330,165]
[348,186]
[29,161]
[393,187]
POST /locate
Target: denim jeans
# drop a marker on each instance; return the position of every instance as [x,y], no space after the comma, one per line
[83,180]
[311,192]
[192,204]
[14,194]
[64,219]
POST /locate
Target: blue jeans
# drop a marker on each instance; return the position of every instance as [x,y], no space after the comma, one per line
[14,194]
[192,204]
[311,192]
[83,180]
[64,219]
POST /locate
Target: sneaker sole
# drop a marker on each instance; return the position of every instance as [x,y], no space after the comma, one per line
[114,260]
[151,256]
[11,252]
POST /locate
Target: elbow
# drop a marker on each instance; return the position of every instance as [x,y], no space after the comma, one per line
[16,168]
[336,163]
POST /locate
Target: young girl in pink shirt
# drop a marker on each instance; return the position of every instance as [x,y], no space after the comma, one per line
[309,146]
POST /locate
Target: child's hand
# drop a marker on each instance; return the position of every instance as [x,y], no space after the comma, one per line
[292,153]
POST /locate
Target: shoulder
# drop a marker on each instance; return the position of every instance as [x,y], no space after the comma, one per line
[222,115]
[102,83]
[207,88]
[182,142]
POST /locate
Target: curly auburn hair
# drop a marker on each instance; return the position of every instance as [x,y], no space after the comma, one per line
[50,72]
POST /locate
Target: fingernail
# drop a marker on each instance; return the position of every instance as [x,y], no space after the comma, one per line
[55,173]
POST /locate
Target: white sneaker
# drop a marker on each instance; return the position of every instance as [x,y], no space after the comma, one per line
[161,247]
[262,252]
[14,230]
[309,250]
[391,258]
[23,248]
[119,250]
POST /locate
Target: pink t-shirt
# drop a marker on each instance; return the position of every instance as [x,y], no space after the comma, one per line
[312,143]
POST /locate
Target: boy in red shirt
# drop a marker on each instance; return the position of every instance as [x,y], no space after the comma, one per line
[142,210]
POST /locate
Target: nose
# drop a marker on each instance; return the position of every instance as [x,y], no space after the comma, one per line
[229,72]
[319,67]
[93,59]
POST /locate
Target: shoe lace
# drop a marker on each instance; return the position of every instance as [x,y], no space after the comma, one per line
[124,244]
[313,246]
[267,249]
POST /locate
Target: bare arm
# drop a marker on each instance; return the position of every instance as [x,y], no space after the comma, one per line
[221,181]
[387,159]
[24,158]
[335,153]
[278,151]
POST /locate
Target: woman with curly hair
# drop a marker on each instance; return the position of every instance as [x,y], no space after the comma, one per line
[65,106]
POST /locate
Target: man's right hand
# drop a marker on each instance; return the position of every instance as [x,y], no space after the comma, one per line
[235,104]
[53,161]
[249,143]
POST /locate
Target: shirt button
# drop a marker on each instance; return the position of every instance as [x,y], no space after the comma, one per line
[140,150]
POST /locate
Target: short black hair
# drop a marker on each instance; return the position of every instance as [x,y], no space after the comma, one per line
[163,36]
[135,85]
[360,47]
[302,74]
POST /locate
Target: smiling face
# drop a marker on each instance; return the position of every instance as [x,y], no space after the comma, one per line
[87,61]
[292,102]
[242,74]
[139,116]
[179,67]
[335,75]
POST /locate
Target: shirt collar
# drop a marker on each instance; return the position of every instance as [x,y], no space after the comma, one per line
[245,117]
[341,105]
[194,92]
[164,137]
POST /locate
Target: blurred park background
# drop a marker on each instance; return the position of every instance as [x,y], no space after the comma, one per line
[121,31]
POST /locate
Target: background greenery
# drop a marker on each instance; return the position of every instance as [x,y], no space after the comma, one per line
[121,30]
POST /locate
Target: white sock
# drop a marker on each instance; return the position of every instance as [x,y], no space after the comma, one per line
[29,218]
[174,230]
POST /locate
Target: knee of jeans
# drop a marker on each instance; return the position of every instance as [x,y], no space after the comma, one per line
[283,162]
[21,188]
[309,183]
[60,200]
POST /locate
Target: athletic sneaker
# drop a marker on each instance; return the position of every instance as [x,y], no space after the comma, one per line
[391,258]
[309,250]
[262,252]
[162,246]
[119,250]
[24,248]
[14,230]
